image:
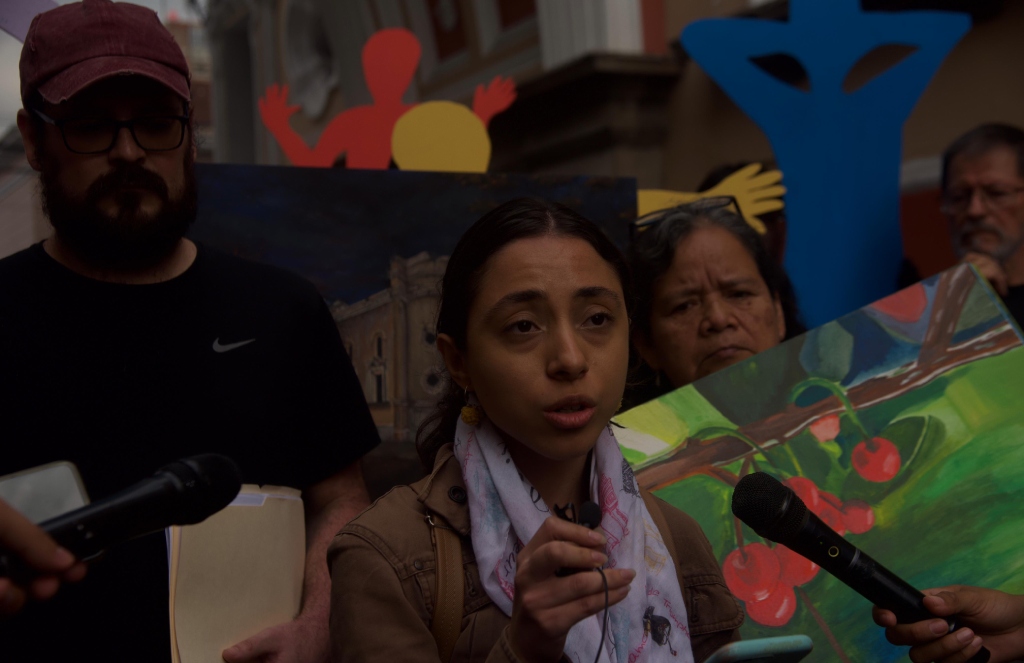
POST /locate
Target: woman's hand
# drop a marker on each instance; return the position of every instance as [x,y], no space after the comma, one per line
[547,606]
[987,617]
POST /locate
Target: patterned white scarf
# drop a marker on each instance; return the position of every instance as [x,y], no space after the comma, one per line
[506,511]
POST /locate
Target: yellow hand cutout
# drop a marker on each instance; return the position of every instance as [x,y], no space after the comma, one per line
[755,192]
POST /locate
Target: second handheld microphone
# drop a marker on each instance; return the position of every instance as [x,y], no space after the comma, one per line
[776,513]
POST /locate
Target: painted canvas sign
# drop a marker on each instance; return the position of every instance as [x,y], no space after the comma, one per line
[375,244]
[899,425]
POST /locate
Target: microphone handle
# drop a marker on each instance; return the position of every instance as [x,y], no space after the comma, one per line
[882,587]
[89,530]
[824,546]
[93,528]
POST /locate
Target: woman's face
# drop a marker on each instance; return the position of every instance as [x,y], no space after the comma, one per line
[547,346]
[711,309]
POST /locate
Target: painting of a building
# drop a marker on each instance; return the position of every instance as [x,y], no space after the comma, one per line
[390,338]
[375,245]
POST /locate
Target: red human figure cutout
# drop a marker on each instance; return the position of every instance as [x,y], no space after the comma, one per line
[362,133]
[497,96]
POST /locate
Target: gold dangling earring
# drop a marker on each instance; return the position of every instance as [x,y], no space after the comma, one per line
[470,413]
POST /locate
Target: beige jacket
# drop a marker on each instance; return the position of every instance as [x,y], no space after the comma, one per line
[383,580]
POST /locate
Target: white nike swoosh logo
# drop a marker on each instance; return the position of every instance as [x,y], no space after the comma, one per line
[217,347]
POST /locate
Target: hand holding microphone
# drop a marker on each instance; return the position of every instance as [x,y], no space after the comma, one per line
[548,602]
[776,513]
[996,617]
[184,492]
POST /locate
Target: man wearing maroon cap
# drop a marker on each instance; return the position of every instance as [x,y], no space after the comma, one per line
[124,345]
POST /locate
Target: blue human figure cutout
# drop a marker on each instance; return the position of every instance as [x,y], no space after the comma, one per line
[840,152]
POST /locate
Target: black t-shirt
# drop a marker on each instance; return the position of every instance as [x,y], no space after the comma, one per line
[230,357]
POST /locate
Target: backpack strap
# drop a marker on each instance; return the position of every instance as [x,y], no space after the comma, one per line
[446,623]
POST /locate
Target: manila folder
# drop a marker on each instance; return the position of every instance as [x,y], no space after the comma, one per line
[237,572]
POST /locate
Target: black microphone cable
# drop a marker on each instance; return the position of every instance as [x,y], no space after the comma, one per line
[604,622]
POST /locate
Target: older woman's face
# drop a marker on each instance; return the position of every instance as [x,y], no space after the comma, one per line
[711,309]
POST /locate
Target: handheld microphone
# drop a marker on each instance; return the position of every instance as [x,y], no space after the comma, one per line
[184,492]
[776,513]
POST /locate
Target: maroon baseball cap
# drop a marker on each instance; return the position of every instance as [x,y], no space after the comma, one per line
[70,47]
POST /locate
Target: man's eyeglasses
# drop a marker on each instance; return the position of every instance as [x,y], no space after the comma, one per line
[992,197]
[98,135]
[694,208]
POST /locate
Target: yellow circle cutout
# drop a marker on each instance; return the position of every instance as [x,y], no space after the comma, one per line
[441,136]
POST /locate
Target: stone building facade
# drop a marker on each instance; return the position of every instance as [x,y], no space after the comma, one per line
[390,338]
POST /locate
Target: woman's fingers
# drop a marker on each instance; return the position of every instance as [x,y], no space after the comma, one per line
[582,585]
[547,605]
[555,555]
[556,529]
[558,617]
[571,546]
[594,603]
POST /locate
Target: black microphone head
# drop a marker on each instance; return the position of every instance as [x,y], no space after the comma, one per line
[590,515]
[205,484]
[768,507]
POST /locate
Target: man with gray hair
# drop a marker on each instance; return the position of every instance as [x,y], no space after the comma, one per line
[983,198]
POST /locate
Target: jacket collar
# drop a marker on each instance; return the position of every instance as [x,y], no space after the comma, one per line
[444,492]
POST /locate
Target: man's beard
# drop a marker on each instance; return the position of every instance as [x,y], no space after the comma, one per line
[964,241]
[131,240]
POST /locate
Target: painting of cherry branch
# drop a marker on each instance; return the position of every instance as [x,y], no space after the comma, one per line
[899,425]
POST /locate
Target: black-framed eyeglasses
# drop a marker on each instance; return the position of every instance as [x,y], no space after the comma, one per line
[699,206]
[993,198]
[158,133]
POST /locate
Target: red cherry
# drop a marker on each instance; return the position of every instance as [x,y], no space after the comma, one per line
[825,428]
[832,517]
[830,499]
[858,516]
[796,569]
[876,460]
[906,305]
[751,572]
[806,491]
[776,609]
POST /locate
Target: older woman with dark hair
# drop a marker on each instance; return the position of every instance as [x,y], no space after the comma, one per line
[708,294]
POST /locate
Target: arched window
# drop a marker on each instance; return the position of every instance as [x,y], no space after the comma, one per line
[378,368]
